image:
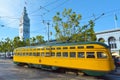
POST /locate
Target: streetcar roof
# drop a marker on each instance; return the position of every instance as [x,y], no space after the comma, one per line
[66,44]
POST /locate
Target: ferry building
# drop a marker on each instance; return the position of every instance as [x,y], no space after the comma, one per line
[24,26]
[111,38]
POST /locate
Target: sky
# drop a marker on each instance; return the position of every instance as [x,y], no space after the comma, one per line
[39,10]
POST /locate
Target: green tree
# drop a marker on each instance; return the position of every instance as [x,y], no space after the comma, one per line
[40,39]
[2,46]
[88,33]
[33,41]
[67,27]
[27,42]
[5,46]
[18,43]
[8,45]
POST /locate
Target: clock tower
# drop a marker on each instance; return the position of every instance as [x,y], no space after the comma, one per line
[24,26]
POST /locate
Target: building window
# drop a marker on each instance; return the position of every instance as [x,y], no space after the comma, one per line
[112,43]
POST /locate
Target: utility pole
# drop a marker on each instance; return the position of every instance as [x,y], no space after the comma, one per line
[46,22]
[48,31]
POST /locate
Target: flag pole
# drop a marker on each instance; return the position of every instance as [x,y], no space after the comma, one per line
[115,20]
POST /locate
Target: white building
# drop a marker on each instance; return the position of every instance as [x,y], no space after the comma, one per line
[24,26]
[112,38]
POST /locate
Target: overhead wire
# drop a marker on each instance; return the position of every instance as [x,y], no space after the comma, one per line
[44,7]
[59,5]
[9,17]
[105,13]
[4,25]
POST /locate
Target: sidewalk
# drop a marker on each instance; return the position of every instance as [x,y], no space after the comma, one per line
[6,61]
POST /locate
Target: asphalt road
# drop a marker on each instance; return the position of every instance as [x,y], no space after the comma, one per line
[9,71]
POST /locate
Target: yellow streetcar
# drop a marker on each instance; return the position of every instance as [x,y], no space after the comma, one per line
[92,58]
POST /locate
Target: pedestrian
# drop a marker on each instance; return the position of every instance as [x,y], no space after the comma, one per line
[116,59]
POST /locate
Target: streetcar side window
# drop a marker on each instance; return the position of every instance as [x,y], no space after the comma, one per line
[38,53]
[53,54]
[90,55]
[65,47]
[65,54]
[101,55]
[58,54]
[52,48]
[72,54]
[30,54]
[17,53]
[34,54]
[58,48]
[80,47]
[23,54]
[26,54]
[90,47]
[20,54]
[81,55]
[47,54]
[42,53]
[42,48]
[38,48]
[47,48]
[34,48]
[72,47]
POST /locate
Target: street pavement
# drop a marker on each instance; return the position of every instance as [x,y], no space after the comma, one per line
[9,71]
[117,72]
[114,75]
